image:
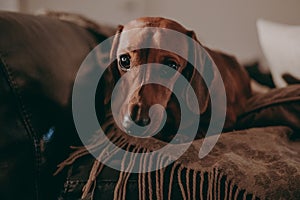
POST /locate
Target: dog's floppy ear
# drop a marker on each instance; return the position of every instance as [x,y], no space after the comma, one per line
[108,80]
[115,44]
[203,63]
[111,74]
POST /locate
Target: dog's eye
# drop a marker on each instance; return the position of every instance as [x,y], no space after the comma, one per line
[168,73]
[124,62]
[172,64]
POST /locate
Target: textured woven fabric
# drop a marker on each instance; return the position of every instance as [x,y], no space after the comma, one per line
[248,164]
[255,163]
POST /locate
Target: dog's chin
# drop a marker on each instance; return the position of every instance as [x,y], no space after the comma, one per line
[164,132]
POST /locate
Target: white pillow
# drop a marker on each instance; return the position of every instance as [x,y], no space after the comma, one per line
[280,44]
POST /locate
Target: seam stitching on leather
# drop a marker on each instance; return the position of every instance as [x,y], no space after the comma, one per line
[25,118]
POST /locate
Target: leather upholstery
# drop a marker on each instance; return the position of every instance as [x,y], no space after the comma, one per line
[39,60]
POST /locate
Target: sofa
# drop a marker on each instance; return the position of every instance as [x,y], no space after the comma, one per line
[39,59]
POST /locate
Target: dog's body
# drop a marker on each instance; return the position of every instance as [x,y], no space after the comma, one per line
[138,98]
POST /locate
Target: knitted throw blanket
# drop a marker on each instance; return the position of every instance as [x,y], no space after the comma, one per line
[250,164]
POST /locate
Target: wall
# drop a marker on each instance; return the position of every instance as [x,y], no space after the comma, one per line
[107,11]
[10,5]
[228,25]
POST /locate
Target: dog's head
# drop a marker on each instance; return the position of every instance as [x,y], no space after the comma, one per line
[137,97]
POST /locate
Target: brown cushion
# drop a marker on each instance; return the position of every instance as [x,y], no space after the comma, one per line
[41,56]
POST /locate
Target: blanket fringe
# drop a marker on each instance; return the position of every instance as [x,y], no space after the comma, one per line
[192,184]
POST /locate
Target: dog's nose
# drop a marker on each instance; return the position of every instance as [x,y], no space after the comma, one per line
[130,123]
[139,115]
[142,121]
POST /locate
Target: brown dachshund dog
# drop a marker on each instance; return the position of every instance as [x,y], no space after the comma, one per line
[136,98]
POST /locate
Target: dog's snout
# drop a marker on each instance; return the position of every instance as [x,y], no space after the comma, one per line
[139,115]
[135,116]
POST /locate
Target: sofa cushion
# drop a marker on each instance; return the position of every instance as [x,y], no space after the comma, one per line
[280,44]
